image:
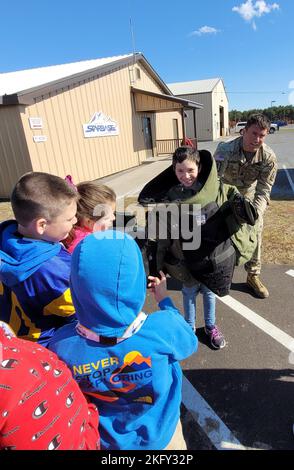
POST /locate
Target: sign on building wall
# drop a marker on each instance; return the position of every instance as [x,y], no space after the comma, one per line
[100,125]
[36,123]
[39,138]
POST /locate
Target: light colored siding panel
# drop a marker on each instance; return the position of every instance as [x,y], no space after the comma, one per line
[68,127]
[76,167]
[106,146]
[95,146]
[38,163]
[63,150]
[80,118]
[38,157]
[219,98]
[126,156]
[88,155]
[208,119]
[204,124]
[58,154]
[108,155]
[67,151]
[146,82]
[53,144]
[110,94]
[123,102]
[58,142]
[72,134]
[138,144]
[91,144]
[14,155]
[164,122]
[43,158]
[126,119]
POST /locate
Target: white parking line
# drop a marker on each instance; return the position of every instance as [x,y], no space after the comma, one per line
[217,432]
[267,327]
[289,178]
[290,272]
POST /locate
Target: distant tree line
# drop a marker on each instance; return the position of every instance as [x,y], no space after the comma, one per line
[274,113]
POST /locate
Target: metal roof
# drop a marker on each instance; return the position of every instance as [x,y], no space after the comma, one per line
[15,82]
[23,86]
[196,86]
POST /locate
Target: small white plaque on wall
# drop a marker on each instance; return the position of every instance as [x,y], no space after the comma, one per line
[36,123]
[40,138]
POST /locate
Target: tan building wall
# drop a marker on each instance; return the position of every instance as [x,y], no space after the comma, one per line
[219,99]
[63,112]
[204,127]
[161,122]
[166,127]
[14,155]
[145,82]
[208,125]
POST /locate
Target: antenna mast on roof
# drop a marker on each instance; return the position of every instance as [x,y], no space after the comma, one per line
[132,70]
[133,39]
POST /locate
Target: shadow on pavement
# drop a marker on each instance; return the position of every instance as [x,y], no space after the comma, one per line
[176,286]
[250,402]
[243,287]
[203,338]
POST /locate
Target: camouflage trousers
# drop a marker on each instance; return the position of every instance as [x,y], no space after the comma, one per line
[254,265]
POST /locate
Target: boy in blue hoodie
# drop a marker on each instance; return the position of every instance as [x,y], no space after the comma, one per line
[35,297]
[124,360]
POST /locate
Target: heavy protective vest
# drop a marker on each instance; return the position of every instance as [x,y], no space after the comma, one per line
[225,238]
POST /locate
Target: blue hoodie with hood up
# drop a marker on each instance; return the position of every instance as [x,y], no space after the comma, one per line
[35,297]
[135,382]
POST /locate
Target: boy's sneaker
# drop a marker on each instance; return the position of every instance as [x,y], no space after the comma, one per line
[217,339]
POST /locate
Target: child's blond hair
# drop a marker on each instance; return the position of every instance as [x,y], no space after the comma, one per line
[92,196]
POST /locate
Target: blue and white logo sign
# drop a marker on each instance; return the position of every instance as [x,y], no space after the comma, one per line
[100,125]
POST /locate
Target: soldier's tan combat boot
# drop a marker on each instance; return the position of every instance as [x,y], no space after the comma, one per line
[256,285]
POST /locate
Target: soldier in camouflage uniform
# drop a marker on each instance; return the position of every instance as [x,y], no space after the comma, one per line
[251,166]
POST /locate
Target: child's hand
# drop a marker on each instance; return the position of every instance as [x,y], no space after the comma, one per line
[158,286]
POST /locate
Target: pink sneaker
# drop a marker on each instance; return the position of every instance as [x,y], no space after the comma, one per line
[217,339]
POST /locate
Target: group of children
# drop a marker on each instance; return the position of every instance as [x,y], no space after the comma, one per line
[87,308]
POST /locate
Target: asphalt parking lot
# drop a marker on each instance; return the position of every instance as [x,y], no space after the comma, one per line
[241,397]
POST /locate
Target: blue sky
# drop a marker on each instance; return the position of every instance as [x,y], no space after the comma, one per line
[248,43]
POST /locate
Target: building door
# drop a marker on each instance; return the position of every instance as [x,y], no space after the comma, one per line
[146,123]
[176,129]
[221,121]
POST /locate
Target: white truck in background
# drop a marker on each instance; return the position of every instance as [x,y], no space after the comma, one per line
[240,126]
